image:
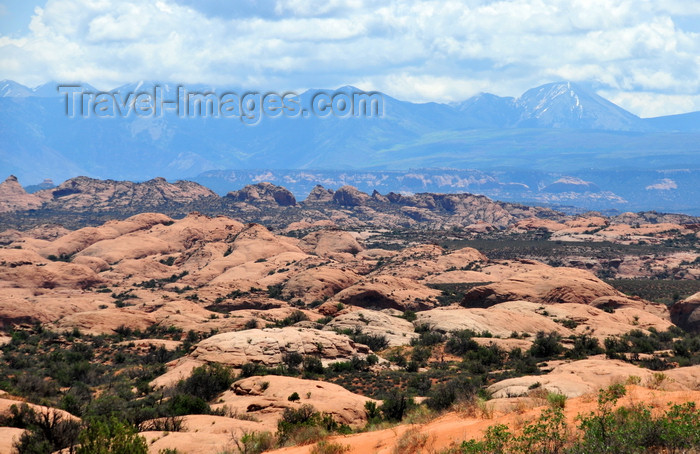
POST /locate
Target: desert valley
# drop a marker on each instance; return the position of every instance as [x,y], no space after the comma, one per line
[347,322]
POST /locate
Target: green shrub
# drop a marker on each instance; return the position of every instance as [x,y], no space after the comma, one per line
[395,405]
[460,342]
[47,429]
[187,404]
[584,346]
[111,436]
[206,382]
[326,447]
[442,396]
[427,338]
[556,400]
[255,442]
[376,342]
[373,413]
[313,365]
[621,430]
[546,345]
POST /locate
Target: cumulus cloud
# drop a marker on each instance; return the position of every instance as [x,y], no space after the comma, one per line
[644,54]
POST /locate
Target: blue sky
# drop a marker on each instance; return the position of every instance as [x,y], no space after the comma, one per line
[642,54]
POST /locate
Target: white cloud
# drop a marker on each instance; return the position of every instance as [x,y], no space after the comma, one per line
[634,50]
[664,185]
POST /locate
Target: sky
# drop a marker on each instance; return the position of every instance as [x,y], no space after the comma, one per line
[644,55]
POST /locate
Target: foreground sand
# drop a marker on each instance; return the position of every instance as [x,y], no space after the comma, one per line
[455,427]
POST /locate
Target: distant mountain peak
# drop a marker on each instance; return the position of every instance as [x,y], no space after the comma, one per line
[568,105]
[12,89]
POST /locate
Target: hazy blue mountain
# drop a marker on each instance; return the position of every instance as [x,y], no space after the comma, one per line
[490,111]
[561,129]
[11,89]
[689,122]
[569,106]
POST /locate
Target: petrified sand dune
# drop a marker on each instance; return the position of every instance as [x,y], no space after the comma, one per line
[318,283]
[106,321]
[427,261]
[545,285]
[8,435]
[252,245]
[78,240]
[263,346]
[25,305]
[518,316]
[127,247]
[328,243]
[268,346]
[527,317]
[385,292]
[202,434]
[27,269]
[396,330]
[589,375]
[266,397]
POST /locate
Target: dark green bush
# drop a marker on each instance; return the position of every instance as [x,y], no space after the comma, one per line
[395,405]
[47,430]
[442,396]
[460,342]
[208,381]
[546,345]
[111,436]
[376,342]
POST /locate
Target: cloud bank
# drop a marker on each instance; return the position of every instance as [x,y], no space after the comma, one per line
[642,54]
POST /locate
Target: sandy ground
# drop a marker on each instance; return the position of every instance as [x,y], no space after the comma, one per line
[453,427]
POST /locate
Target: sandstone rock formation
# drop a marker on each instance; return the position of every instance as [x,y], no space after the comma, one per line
[13,197]
[590,375]
[396,330]
[266,397]
[264,193]
[83,193]
[545,286]
[268,346]
[385,292]
[318,283]
[319,194]
[526,317]
[686,313]
[329,243]
[350,196]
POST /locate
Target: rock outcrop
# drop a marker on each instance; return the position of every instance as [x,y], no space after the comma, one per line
[350,196]
[544,286]
[83,193]
[266,397]
[590,375]
[397,331]
[686,313]
[265,193]
[268,346]
[13,197]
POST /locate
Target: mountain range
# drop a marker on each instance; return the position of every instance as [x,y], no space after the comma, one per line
[556,131]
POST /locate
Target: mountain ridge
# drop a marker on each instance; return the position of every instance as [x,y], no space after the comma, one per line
[10,88]
[89,200]
[567,130]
